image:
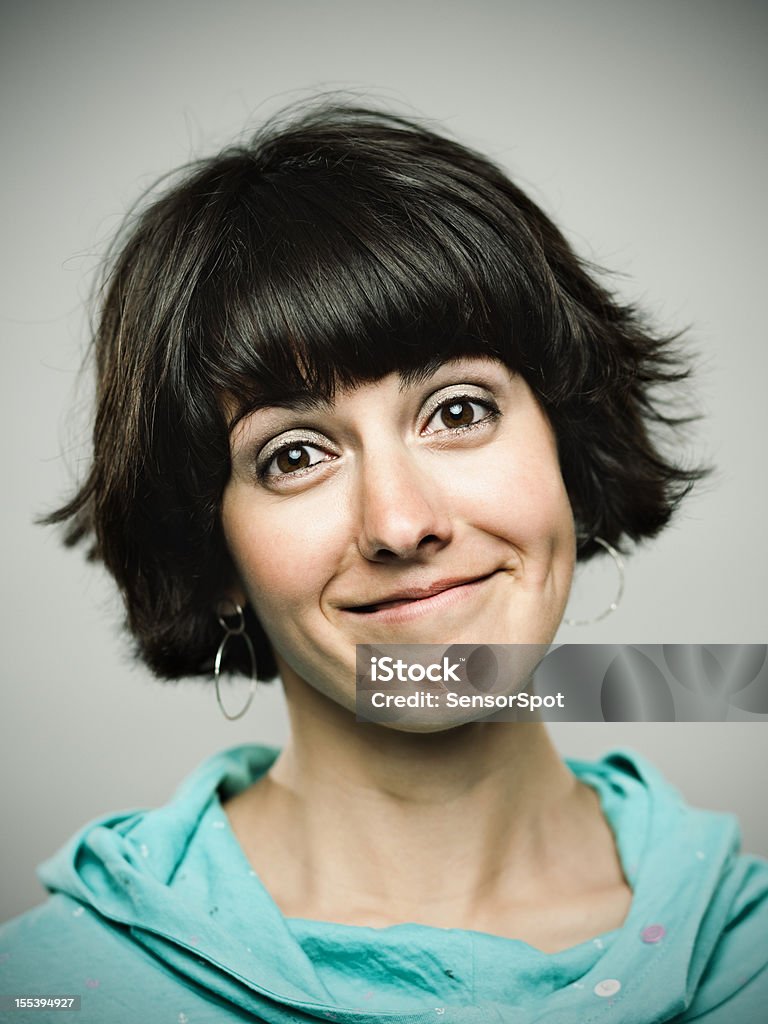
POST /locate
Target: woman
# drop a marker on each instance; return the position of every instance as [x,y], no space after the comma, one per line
[355,388]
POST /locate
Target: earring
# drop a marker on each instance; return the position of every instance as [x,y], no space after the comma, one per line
[229,631]
[619,563]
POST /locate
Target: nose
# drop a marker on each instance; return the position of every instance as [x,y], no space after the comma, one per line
[403,514]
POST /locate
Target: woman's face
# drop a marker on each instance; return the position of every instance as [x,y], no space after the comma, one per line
[432,512]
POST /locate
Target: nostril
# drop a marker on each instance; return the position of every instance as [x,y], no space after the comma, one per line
[388,555]
[430,539]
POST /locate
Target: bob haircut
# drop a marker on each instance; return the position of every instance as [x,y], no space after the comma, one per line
[339,245]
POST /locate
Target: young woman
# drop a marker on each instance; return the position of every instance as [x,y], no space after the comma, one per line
[355,388]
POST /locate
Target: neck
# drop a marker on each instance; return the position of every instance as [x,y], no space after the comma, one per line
[367,825]
[412,772]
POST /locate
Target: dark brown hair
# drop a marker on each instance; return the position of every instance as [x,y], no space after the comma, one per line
[337,246]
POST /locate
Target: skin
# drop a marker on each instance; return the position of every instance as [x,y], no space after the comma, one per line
[448,492]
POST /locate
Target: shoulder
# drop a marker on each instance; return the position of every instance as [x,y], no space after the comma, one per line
[65,948]
[733,986]
[704,901]
[59,925]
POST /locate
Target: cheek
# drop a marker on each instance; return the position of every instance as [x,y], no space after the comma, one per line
[283,551]
[523,503]
[544,518]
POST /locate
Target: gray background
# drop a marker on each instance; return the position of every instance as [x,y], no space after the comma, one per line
[638,126]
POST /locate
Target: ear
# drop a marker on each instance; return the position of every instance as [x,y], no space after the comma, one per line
[233,594]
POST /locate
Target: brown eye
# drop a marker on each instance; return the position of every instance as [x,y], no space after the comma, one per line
[292,458]
[457,414]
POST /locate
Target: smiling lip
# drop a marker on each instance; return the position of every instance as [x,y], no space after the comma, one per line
[418,599]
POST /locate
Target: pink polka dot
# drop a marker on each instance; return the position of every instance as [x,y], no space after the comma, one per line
[653,933]
[91,983]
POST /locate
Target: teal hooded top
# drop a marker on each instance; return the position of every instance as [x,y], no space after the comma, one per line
[157,917]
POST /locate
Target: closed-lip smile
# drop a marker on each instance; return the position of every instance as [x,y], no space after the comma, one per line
[419,598]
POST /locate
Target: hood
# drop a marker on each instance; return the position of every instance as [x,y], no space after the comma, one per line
[177,880]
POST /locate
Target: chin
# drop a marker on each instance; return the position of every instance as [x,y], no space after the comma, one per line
[414,726]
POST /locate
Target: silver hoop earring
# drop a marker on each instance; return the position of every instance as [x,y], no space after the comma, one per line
[231,631]
[619,563]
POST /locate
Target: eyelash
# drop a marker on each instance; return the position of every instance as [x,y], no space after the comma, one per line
[492,412]
[263,470]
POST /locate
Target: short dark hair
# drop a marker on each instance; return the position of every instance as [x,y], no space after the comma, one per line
[338,245]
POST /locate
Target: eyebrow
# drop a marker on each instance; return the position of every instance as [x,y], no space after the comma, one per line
[417,375]
[301,403]
[296,403]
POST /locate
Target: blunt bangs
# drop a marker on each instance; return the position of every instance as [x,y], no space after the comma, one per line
[330,282]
